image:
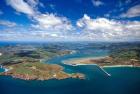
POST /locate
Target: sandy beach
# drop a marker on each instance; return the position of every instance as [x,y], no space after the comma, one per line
[118,66]
[91,61]
[0,54]
[82,61]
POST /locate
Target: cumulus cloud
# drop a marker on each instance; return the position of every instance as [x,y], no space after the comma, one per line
[99,29]
[21,6]
[49,26]
[33,3]
[97,3]
[95,24]
[52,22]
[102,28]
[34,36]
[7,23]
[132,12]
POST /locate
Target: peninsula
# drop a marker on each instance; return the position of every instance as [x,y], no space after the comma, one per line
[123,57]
[25,62]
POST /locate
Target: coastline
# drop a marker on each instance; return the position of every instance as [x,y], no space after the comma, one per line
[40,74]
[84,61]
[106,66]
[79,62]
[85,58]
[0,54]
[74,61]
[5,69]
[101,68]
[113,66]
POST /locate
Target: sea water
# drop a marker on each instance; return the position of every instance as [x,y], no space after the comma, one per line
[123,80]
[2,69]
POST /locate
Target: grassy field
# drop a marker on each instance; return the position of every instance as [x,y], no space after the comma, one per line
[39,71]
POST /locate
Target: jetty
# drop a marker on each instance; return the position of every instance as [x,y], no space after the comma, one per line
[104,71]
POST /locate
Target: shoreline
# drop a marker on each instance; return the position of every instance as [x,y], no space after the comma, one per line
[0,54]
[77,62]
[106,66]
[84,58]
[59,74]
[101,68]
[5,69]
[116,66]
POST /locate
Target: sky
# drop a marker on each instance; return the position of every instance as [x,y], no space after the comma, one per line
[69,20]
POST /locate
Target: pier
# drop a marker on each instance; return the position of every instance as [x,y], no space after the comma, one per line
[104,71]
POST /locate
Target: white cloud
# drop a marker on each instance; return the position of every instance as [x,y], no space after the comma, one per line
[91,24]
[97,3]
[132,12]
[52,22]
[99,29]
[35,3]
[49,26]
[21,6]
[7,23]
[105,29]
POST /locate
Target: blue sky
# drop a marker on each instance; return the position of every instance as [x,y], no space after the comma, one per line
[69,20]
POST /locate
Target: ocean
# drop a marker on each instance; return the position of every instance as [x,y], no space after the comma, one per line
[123,80]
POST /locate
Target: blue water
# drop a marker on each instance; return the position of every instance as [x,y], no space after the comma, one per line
[80,54]
[2,69]
[123,80]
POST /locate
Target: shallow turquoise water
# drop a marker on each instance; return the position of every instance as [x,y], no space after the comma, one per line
[2,69]
[123,80]
[93,53]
